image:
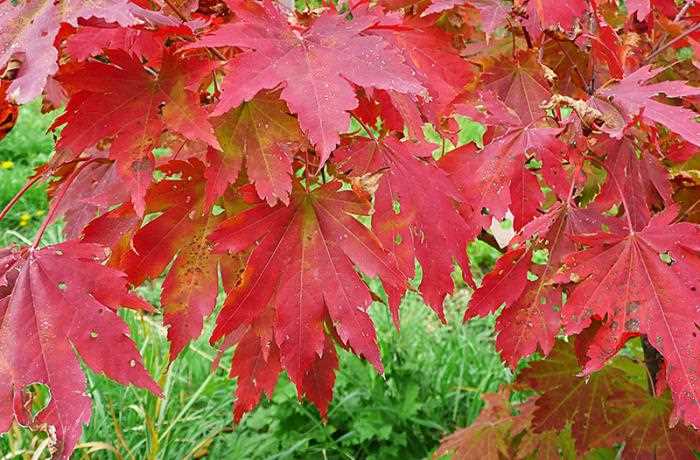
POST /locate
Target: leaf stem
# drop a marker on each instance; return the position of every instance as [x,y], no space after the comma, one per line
[365,127]
[57,201]
[577,171]
[19,195]
[619,191]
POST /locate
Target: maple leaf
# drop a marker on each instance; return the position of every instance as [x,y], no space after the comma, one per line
[606,45]
[122,100]
[490,435]
[633,96]
[404,217]
[256,364]
[94,189]
[642,282]
[485,178]
[396,111]
[531,317]
[607,408]
[493,13]
[28,30]
[499,432]
[526,197]
[565,396]
[520,85]
[301,267]
[258,132]
[639,8]
[531,320]
[642,181]
[64,302]
[315,67]
[430,53]
[180,232]
[143,42]
[642,423]
[549,14]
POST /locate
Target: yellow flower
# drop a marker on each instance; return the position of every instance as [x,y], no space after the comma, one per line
[39,213]
[7,164]
[24,219]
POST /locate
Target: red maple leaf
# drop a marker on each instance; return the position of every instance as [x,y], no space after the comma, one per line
[493,13]
[29,29]
[642,282]
[302,268]
[633,96]
[607,408]
[502,430]
[404,217]
[642,180]
[485,177]
[430,54]
[64,302]
[180,232]
[315,67]
[261,132]
[95,188]
[531,319]
[549,14]
[122,100]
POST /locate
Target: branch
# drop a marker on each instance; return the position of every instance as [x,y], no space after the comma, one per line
[686,7]
[671,42]
[653,361]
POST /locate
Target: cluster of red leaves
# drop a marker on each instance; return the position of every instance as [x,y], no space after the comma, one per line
[570,417]
[210,140]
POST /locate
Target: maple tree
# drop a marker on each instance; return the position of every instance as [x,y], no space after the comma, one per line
[280,152]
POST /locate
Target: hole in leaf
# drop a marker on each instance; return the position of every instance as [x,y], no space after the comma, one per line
[62,286]
[540,256]
[396,206]
[36,397]
[666,258]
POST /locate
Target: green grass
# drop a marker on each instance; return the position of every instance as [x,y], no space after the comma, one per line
[434,377]
[27,146]
[435,373]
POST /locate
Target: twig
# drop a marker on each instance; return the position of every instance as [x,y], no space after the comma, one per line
[687,212]
[686,7]
[365,127]
[671,42]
